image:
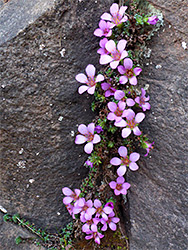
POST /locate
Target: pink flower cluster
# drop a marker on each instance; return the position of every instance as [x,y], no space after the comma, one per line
[93,215]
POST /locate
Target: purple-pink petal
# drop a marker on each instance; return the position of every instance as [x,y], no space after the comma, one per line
[112,106]
[112,226]
[133,80]
[110,46]
[117,192]
[115,161]
[137,71]
[88,147]
[97,203]
[82,89]
[81,78]
[121,105]
[112,184]
[106,16]
[126,185]
[128,63]
[99,78]
[134,156]
[104,59]
[122,123]
[111,116]
[122,10]
[120,180]
[123,54]
[114,64]
[90,70]
[67,200]
[119,94]
[91,128]
[126,132]
[104,228]
[80,139]
[98,32]
[133,166]
[83,129]
[107,210]
[137,131]
[122,151]
[130,102]
[91,90]
[121,69]
[114,9]
[121,170]
[67,191]
[96,139]
[139,117]
[115,219]
[121,45]
[123,79]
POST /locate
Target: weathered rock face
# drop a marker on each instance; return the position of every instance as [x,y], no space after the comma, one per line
[41,109]
[158,199]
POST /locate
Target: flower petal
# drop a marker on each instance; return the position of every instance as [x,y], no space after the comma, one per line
[112,106]
[88,147]
[121,170]
[126,185]
[130,114]
[121,69]
[137,131]
[115,219]
[107,210]
[83,129]
[97,203]
[112,226]
[80,139]
[91,128]
[134,156]
[111,116]
[114,64]
[67,191]
[126,132]
[119,94]
[114,9]
[115,161]
[139,117]
[90,70]
[121,45]
[133,166]
[117,192]
[122,10]
[128,63]
[99,78]
[104,228]
[106,16]
[67,200]
[110,46]
[82,89]
[123,79]
[137,71]
[123,54]
[91,90]
[122,123]
[122,151]
[133,80]
[81,78]
[104,59]
[96,139]
[130,102]
[105,85]
[98,32]
[112,184]
[121,105]
[102,25]
[120,180]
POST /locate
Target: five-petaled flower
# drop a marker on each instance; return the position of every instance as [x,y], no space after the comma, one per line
[115,54]
[111,221]
[128,72]
[125,161]
[120,186]
[142,100]
[104,29]
[117,15]
[87,135]
[117,113]
[71,196]
[90,80]
[132,122]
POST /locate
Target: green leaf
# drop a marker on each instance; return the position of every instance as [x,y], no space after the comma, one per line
[18,240]
[6,217]
[15,218]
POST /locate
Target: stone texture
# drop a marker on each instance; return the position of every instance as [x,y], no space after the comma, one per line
[15,15]
[40,108]
[158,196]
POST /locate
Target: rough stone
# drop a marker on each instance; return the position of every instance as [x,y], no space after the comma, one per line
[41,110]
[158,196]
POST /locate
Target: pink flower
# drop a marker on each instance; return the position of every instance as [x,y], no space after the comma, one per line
[116,54]
[87,136]
[117,15]
[110,204]
[90,80]
[98,129]
[153,20]
[142,100]
[70,210]
[148,147]
[70,195]
[111,221]
[120,186]
[100,210]
[125,161]
[104,29]
[103,50]
[132,122]
[109,91]
[95,235]
[117,113]
[89,163]
[128,72]
[120,95]
[86,209]
[90,224]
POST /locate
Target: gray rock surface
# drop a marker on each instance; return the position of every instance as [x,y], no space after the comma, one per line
[16,15]
[41,109]
[158,197]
